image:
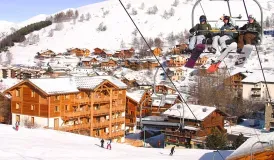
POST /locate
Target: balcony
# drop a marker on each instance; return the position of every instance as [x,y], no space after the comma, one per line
[255,94]
[75,114]
[101,99]
[75,127]
[118,120]
[81,100]
[101,111]
[118,134]
[101,124]
[255,89]
[115,96]
[118,109]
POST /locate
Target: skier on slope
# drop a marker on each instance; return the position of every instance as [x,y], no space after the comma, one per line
[252,31]
[17,123]
[172,151]
[102,143]
[224,36]
[109,144]
[202,33]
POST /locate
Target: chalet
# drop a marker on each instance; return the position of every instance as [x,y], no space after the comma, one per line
[46,54]
[109,63]
[95,105]
[97,51]
[201,61]
[136,64]
[254,87]
[136,101]
[79,52]
[152,63]
[164,89]
[175,73]
[130,82]
[162,102]
[196,129]
[124,53]
[109,53]
[156,51]
[234,80]
[179,49]
[256,147]
[176,61]
[5,113]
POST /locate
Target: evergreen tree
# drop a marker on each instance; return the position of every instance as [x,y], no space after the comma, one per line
[238,141]
[216,140]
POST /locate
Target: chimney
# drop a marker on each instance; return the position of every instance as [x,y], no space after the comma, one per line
[204,109]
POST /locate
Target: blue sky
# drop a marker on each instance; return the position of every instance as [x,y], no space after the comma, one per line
[21,10]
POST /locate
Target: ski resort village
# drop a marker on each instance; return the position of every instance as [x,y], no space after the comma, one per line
[138,79]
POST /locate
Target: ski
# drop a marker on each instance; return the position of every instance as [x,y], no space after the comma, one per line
[247,50]
[195,55]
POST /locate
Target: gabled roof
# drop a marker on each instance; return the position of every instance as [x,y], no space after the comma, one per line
[200,112]
[52,86]
[257,77]
[136,95]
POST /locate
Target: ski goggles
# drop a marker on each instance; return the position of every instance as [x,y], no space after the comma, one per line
[202,20]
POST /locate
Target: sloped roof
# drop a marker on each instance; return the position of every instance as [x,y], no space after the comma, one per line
[136,95]
[245,148]
[200,112]
[257,77]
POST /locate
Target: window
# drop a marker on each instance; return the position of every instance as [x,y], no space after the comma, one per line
[32,107]
[56,109]
[66,107]
[32,93]
[17,92]
[17,106]
[66,96]
[56,97]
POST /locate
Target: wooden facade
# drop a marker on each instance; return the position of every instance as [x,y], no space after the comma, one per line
[176,61]
[124,53]
[133,110]
[79,52]
[201,61]
[98,112]
[108,64]
[235,81]
[164,89]
[21,73]
[5,112]
[46,54]
[179,49]
[97,51]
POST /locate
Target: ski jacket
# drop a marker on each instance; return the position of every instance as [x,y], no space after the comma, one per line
[201,29]
[254,28]
[227,26]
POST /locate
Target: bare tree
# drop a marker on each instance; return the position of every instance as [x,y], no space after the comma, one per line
[88,16]
[9,57]
[128,6]
[69,14]
[0,58]
[82,17]
[122,45]
[142,6]
[134,11]
[135,43]
[105,13]
[158,42]
[181,38]
[76,14]
[102,27]
[152,10]
[175,3]
[171,38]
[171,12]
[59,26]
[51,33]
[150,42]
[165,15]
[135,32]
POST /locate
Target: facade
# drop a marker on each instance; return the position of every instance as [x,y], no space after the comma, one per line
[269,116]
[91,105]
[136,101]
[5,113]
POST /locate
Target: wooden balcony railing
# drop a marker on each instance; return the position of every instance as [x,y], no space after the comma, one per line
[75,127]
[101,99]
[101,111]
[118,108]
[117,134]
[101,124]
[115,96]
[68,114]
[118,120]
[81,100]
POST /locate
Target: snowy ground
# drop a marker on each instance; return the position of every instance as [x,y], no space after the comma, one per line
[41,144]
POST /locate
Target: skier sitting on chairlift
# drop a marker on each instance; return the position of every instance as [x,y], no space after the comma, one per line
[223,36]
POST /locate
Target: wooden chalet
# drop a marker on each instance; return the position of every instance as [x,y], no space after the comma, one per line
[129,82]
[195,130]
[162,102]
[152,64]
[5,113]
[79,52]
[176,61]
[234,81]
[46,54]
[164,89]
[257,147]
[201,61]
[98,51]
[179,48]
[22,72]
[124,53]
[89,105]
[110,63]
[175,73]
[90,61]
[136,100]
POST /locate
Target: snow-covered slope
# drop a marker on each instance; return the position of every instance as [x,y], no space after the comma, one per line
[28,144]
[40,17]
[119,27]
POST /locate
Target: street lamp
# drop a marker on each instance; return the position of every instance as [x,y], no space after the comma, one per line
[251,153]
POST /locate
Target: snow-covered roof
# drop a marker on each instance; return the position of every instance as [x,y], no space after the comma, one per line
[114,80]
[87,82]
[200,112]
[136,95]
[257,77]
[245,148]
[157,100]
[55,85]
[6,83]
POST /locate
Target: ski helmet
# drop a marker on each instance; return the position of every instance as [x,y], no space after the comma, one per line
[202,18]
[226,18]
[251,17]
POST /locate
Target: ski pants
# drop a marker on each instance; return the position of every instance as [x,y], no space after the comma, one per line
[194,40]
[220,40]
[247,38]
